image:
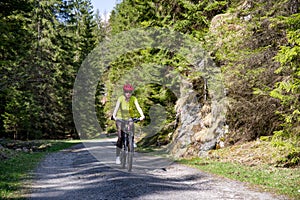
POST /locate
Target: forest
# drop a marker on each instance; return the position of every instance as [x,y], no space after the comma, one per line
[254,44]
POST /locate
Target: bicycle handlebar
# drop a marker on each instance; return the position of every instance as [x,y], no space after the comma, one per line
[134,120]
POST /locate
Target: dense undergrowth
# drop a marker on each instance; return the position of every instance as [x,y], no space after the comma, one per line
[257,46]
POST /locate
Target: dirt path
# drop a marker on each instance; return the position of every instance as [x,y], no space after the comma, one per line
[88,172]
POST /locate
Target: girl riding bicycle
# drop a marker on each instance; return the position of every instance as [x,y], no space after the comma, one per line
[124,110]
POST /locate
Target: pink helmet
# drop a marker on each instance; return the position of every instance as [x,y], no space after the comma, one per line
[128,87]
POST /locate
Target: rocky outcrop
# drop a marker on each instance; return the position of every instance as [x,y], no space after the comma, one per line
[201,122]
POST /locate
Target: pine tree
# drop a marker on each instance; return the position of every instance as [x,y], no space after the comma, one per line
[15,45]
[43,46]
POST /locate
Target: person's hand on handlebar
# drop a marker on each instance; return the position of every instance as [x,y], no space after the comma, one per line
[142,118]
[113,118]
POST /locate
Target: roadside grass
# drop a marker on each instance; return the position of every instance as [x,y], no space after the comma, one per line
[15,169]
[254,163]
[282,181]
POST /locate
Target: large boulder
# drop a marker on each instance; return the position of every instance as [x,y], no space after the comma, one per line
[201,123]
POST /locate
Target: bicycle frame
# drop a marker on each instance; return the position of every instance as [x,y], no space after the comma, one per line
[127,137]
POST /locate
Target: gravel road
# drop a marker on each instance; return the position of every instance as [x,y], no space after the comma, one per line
[87,171]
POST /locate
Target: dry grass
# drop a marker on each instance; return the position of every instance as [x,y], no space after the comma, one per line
[253,153]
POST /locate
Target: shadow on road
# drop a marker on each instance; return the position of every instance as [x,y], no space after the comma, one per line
[88,172]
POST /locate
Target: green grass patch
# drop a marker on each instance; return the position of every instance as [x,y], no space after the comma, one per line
[282,181]
[15,170]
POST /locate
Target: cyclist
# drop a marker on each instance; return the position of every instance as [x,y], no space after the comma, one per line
[124,110]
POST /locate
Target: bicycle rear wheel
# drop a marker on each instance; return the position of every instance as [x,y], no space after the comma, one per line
[130,154]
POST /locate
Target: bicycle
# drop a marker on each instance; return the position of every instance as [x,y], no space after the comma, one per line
[127,137]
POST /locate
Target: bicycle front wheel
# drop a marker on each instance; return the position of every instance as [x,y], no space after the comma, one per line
[130,154]
[123,155]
